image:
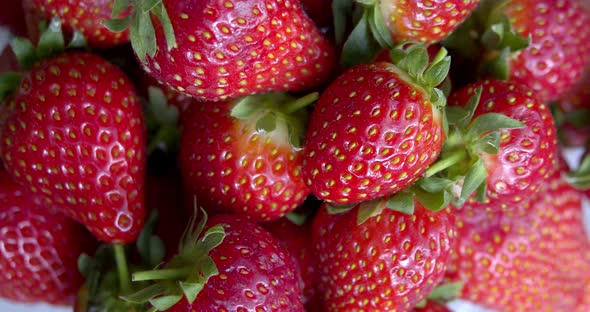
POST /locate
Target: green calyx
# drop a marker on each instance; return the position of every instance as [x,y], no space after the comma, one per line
[162,122]
[413,59]
[460,171]
[51,42]
[107,273]
[580,178]
[276,113]
[370,34]
[186,274]
[141,28]
[488,35]
[443,293]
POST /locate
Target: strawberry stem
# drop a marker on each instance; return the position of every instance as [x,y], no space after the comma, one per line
[161,274]
[445,163]
[122,269]
[301,102]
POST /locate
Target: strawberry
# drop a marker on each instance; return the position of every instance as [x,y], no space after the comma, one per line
[243,156]
[234,266]
[75,136]
[297,240]
[216,50]
[85,16]
[525,156]
[12,17]
[543,45]
[39,249]
[320,12]
[389,262]
[513,260]
[432,306]
[376,128]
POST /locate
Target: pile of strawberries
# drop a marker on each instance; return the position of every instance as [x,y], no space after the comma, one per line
[285,155]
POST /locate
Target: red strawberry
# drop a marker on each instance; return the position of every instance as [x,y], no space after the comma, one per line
[559,49]
[425,21]
[432,306]
[514,260]
[237,265]
[375,129]
[526,156]
[215,50]
[39,249]
[389,262]
[86,16]
[241,156]
[297,241]
[75,136]
[12,17]
[320,11]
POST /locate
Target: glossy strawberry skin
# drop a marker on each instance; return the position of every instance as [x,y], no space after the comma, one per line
[390,262]
[255,272]
[76,137]
[371,134]
[39,249]
[425,21]
[232,167]
[85,16]
[297,240]
[559,49]
[516,260]
[526,156]
[238,48]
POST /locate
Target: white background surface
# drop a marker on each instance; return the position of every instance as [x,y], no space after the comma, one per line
[572,156]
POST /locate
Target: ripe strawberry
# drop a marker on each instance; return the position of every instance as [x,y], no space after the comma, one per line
[389,262]
[514,260]
[243,157]
[75,136]
[559,49]
[85,16]
[297,241]
[215,50]
[237,266]
[526,156]
[39,249]
[432,306]
[425,21]
[375,129]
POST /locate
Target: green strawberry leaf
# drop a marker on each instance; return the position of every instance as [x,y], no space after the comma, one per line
[78,41]
[438,72]
[211,239]
[341,12]
[159,109]
[145,6]
[117,24]
[51,41]
[144,295]
[267,123]
[434,184]
[368,209]
[336,209]
[297,218]
[580,178]
[501,35]
[25,52]
[360,47]
[461,117]
[164,303]
[9,83]
[476,175]
[246,107]
[402,202]
[150,247]
[578,118]
[379,28]
[446,292]
[497,67]
[119,6]
[432,201]
[161,12]
[191,290]
[491,122]
[489,143]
